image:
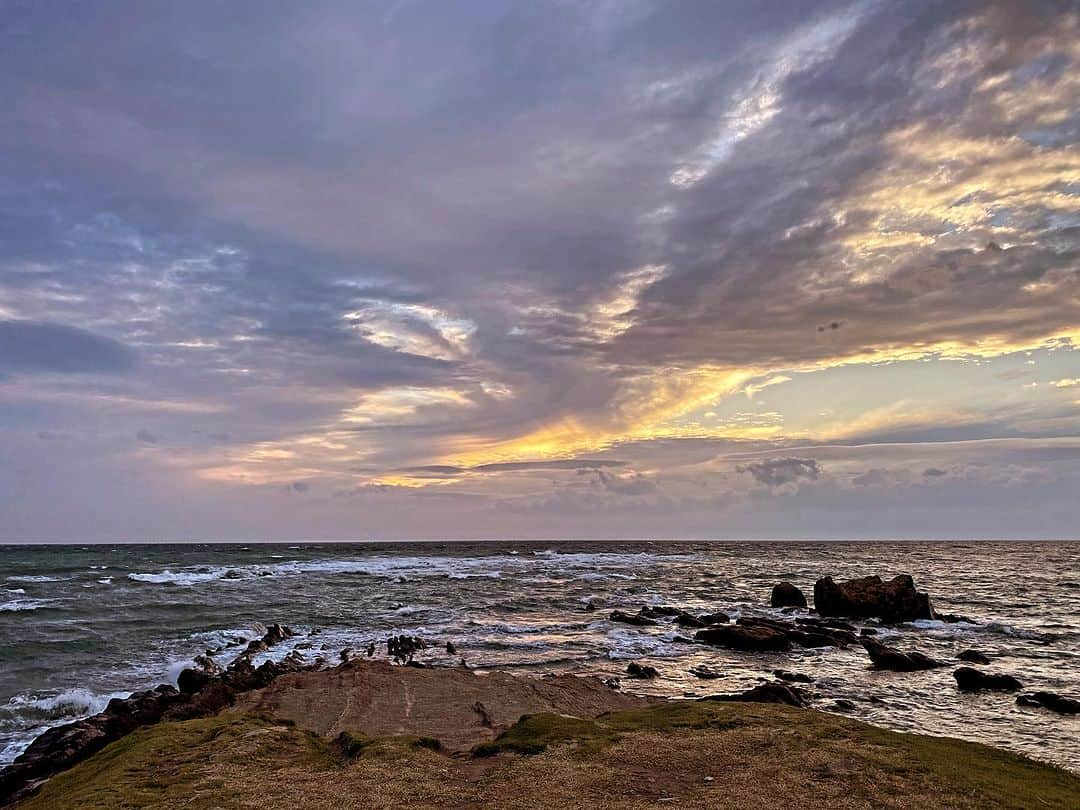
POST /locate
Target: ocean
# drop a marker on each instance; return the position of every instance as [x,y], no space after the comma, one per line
[82,624]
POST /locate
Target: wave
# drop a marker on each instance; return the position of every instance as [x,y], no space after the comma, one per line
[36,578]
[25,605]
[588,567]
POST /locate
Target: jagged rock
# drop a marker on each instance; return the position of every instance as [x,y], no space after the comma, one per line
[953,618]
[641,671]
[892,659]
[719,617]
[785,594]
[792,677]
[612,683]
[803,635]
[757,638]
[450,648]
[1050,700]
[631,618]
[972,680]
[771,692]
[972,657]
[892,601]
[402,648]
[832,624]
[843,705]
[190,681]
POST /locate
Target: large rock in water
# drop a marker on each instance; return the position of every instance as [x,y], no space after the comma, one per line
[785,594]
[969,679]
[770,692]
[758,638]
[1050,700]
[892,659]
[892,601]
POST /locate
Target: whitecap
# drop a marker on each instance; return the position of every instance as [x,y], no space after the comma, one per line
[36,578]
[24,605]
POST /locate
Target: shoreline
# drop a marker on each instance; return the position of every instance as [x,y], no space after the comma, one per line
[368,725]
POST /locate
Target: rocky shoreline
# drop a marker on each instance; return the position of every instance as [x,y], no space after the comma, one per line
[208,690]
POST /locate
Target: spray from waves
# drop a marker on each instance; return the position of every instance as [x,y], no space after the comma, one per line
[26,605]
[36,578]
[595,566]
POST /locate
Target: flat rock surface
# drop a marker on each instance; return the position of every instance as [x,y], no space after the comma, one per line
[459,707]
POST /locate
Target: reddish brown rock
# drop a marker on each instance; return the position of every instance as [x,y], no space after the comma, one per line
[892,601]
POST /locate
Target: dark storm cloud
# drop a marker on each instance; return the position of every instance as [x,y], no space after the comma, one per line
[777,472]
[28,347]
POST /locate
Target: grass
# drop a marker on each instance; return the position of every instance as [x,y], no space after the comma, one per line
[703,754]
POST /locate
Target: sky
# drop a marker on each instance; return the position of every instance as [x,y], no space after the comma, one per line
[590,269]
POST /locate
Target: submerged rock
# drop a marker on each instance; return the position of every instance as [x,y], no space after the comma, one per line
[972,680]
[655,611]
[792,677]
[972,657]
[1050,700]
[893,601]
[705,673]
[890,658]
[785,594]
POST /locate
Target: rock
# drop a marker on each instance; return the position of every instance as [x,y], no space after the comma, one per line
[275,634]
[1050,700]
[756,638]
[832,624]
[892,659]
[686,620]
[868,631]
[792,677]
[190,681]
[370,649]
[771,692]
[641,671]
[719,617]
[972,680]
[655,611]
[207,665]
[450,648]
[402,648]
[589,606]
[255,645]
[612,683]
[785,594]
[803,635]
[972,657]
[954,618]
[843,705]
[631,618]
[705,673]
[231,574]
[893,601]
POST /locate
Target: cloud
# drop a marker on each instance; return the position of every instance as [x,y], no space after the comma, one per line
[934,472]
[146,437]
[780,471]
[29,347]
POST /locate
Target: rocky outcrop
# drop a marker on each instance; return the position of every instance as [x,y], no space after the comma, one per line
[892,659]
[657,611]
[204,690]
[1050,700]
[785,594]
[770,692]
[969,679]
[804,635]
[705,673]
[893,601]
[972,657]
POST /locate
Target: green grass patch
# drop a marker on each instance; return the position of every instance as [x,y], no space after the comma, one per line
[533,733]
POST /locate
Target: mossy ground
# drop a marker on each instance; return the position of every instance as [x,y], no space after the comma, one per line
[699,754]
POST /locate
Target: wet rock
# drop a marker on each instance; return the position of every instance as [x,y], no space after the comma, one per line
[612,683]
[370,650]
[641,671]
[719,617]
[785,594]
[972,657]
[256,645]
[231,574]
[686,620]
[275,634]
[832,624]
[893,601]
[792,677]
[1050,700]
[705,673]
[890,658]
[868,631]
[450,648]
[589,606]
[631,618]
[843,705]
[803,635]
[954,618]
[657,611]
[771,692]
[969,679]
[755,638]
[190,680]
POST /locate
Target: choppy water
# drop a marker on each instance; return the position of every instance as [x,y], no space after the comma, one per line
[79,625]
